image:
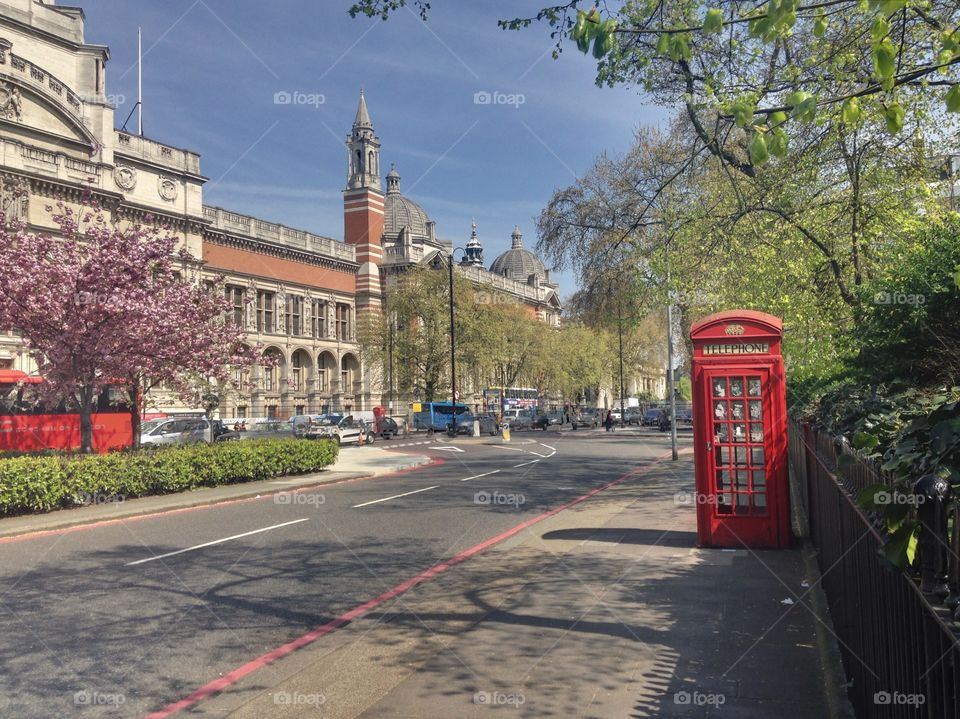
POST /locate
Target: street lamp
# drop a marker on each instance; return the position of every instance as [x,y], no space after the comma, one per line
[449,259]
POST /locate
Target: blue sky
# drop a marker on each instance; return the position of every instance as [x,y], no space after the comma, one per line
[212,68]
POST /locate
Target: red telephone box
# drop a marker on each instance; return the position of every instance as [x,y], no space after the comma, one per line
[740,431]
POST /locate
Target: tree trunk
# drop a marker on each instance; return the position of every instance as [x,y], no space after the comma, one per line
[86,420]
[133,402]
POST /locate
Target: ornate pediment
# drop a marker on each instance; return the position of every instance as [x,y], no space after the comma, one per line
[35,99]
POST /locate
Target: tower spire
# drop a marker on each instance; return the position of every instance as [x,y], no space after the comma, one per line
[473,250]
[363,167]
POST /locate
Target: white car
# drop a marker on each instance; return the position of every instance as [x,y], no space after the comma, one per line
[346,430]
[173,430]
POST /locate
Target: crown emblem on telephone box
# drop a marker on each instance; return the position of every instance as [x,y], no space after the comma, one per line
[734,329]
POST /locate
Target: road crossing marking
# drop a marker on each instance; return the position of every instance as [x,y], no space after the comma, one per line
[478,476]
[449,449]
[396,496]
[216,541]
[524,464]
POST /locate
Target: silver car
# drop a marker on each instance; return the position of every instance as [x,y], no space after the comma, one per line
[174,430]
[346,430]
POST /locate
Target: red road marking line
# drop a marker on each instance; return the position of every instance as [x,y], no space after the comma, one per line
[212,505]
[218,685]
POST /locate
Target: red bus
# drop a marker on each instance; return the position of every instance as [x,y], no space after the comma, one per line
[29,425]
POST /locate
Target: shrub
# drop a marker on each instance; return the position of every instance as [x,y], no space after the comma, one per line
[43,483]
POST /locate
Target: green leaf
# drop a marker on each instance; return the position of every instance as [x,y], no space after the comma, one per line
[778,142]
[758,149]
[713,22]
[742,110]
[865,440]
[888,7]
[663,44]
[880,28]
[804,105]
[893,114]
[850,111]
[775,119]
[680,47]
[820,24]
[901,548]
[884,59]
[953,99]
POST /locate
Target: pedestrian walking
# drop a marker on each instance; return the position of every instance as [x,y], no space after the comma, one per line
[608,422]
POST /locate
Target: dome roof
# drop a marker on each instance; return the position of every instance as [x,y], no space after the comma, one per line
[518,263]
[400,211]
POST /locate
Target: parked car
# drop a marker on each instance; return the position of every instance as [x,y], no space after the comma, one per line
[684,416]
[263,429]
[653,417]
[586,418]
[517,418]
[389,427]
[539,420]
[344,429]
[175,430]
[556,417]
[488,424]
[633,416]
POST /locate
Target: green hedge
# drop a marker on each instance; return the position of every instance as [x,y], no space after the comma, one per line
[44,483]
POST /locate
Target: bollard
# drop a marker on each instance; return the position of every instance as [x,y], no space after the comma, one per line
[476,428]
[932,543]
[506,431]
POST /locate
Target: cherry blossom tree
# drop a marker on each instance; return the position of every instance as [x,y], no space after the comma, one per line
[100,304]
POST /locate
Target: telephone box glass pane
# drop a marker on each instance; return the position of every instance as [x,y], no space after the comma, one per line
[759,480]
[719,387]
[736,387]
[742,480]
[723,454]
[720,409]
[760,501]
[753,386]
[740,433]
[741,455]
[737,410]
[756,409]
[756,432]
[722,432]
[723,480]
[756,456]
[743,504]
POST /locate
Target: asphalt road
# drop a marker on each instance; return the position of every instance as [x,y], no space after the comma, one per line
[124,619]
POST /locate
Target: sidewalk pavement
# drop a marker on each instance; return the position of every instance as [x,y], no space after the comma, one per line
[352,463]
[606,609]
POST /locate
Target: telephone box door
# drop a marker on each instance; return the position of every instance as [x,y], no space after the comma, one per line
[738,499]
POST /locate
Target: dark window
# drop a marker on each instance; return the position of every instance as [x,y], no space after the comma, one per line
[265,309]
[293,321]
[236,296]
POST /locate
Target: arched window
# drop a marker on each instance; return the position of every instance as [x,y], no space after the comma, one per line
[359,167]
[370,163]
